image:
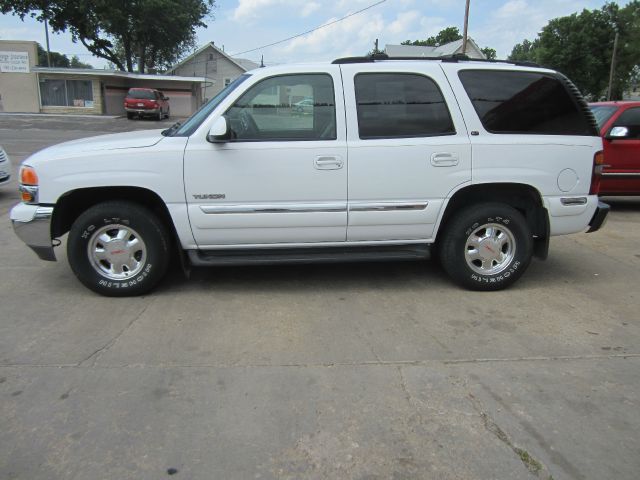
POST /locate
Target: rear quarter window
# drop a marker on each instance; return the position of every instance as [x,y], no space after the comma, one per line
[525,103]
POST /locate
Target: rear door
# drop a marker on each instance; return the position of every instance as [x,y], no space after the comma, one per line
[408,149]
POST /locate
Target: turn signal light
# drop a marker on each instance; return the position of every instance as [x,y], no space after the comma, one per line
[28,176]
[27,197]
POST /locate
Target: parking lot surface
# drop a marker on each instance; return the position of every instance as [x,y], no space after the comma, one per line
[362,371]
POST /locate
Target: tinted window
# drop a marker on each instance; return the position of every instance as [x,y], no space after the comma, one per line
[398,105]
[523,102]
[630,118]
[275,109]
[141,94]
[602,113]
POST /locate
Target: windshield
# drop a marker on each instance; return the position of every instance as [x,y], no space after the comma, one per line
[146,94]
[602,113]
[193,122]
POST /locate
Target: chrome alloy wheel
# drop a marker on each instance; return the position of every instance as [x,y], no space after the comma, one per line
[117,252]
[490,249]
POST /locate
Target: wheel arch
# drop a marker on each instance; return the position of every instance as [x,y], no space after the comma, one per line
[72,204]
[523,197]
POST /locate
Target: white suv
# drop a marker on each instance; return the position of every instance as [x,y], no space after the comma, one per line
[479,161]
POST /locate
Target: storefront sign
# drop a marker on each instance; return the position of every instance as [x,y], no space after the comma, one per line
[14,62]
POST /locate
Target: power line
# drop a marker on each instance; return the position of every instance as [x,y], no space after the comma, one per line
[312,30]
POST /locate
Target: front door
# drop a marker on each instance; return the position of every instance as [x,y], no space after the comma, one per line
[282,178]
[408,150]
[622,155]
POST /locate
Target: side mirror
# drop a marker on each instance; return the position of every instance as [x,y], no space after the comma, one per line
[617,133]
[219,132]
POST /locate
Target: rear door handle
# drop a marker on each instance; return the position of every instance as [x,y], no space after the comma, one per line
[444,159]
[328,163]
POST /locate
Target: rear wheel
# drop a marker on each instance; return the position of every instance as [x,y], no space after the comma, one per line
[118,249]
[130,115]
[486,247]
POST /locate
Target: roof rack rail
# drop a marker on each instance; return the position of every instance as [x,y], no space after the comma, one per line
[456,57]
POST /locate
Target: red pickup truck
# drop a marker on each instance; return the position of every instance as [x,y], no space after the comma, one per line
[619,124]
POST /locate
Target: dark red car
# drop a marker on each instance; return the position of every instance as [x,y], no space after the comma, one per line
[619,124]
[146,102]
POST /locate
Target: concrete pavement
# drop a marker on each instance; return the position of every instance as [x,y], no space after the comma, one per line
[369,371]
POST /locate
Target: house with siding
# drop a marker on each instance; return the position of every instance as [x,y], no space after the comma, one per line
[212,63]
[446,49]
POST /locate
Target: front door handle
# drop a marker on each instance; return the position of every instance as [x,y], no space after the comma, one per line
[328,163]
[444,159]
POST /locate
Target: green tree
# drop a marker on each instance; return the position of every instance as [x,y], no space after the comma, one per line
[490,53]
[145,33]
[76,63]
[58,60]
[447,35]
[524,52]
[581,46]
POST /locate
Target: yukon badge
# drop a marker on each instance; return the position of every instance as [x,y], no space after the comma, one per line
[210,196]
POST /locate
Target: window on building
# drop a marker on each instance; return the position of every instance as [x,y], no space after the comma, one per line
[211,56]
[523,102]
[400,105]
[287,107]
[66,93]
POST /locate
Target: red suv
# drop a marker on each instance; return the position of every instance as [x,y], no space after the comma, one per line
[146,102]
[619,124]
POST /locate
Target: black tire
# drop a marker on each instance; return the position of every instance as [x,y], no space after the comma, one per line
[507,239]
[130,115]
[168,113]
[160,115]
[147,259]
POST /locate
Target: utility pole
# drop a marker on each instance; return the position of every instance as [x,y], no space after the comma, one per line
[613,66]
[375,48]
[46,33]
[466,28]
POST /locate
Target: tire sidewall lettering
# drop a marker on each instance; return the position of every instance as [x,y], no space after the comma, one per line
[499,277]
[127,283]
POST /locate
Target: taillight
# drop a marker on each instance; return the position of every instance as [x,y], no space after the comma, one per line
[598,166]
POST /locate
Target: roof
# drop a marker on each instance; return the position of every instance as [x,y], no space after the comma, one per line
[439,51]
[96,72]
[243,63]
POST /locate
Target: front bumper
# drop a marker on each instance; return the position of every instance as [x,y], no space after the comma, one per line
[32,224]
[599,218]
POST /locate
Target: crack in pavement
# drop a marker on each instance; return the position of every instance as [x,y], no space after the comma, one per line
[366,363]
[533,465]
[98,353]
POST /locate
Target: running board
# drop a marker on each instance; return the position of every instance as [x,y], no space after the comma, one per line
[210,258]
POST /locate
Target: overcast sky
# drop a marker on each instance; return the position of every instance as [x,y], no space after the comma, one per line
[241,25]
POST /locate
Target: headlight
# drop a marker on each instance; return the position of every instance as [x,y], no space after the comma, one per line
[28,184]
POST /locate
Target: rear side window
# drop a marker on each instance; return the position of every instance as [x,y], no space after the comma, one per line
[602,113]
[141,94]
[524,102]
[400,105]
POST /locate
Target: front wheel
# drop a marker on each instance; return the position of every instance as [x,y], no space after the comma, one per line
[486,247]
[118,249]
